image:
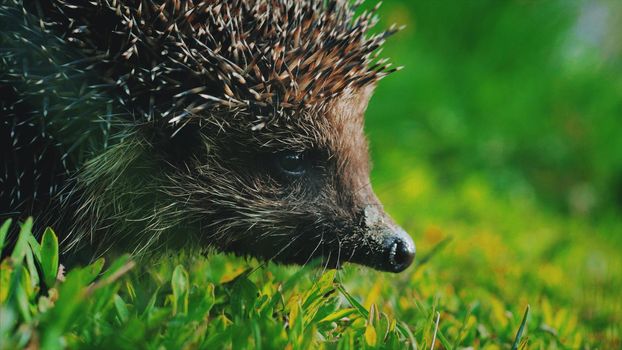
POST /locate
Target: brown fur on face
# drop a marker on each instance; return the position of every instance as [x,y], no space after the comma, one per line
[330,211]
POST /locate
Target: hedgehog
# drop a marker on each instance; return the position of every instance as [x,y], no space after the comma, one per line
[143,126]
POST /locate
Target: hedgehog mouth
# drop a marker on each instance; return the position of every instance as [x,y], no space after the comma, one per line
[391,250]
[384,247]
[394,253]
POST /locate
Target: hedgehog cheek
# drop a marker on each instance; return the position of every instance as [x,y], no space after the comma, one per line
[384,246]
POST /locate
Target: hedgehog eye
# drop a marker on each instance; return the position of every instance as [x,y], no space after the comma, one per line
[291,163]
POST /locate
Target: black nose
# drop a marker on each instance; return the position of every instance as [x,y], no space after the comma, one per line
[399,252]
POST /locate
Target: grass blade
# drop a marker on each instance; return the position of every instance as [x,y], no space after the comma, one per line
[438,318]
[519,334]
[4,230]
[435,250]
[19,252]
[49,257]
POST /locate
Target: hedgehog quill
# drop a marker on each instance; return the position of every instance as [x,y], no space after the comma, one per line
[146,125]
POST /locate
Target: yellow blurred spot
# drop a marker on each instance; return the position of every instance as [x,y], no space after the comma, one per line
[551,274]
[416,183]
[499,314]
[476,192]
[405,303]
[373,294]
[471,322]
[433,234]
[401,15]
[5,275]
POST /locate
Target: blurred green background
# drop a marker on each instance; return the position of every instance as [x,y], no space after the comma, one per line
[503,133]
[525,94]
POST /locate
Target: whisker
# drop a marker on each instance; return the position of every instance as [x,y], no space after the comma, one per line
[327,262]
[314,250]
[289,244]
[338,255]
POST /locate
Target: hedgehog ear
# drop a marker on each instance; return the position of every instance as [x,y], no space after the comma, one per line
[361,97]
[366,93]
[353,104]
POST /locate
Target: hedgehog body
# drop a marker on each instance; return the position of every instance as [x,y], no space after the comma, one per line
[233,124]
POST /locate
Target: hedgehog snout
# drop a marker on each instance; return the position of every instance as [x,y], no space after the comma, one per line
[399,251]
[390,248]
